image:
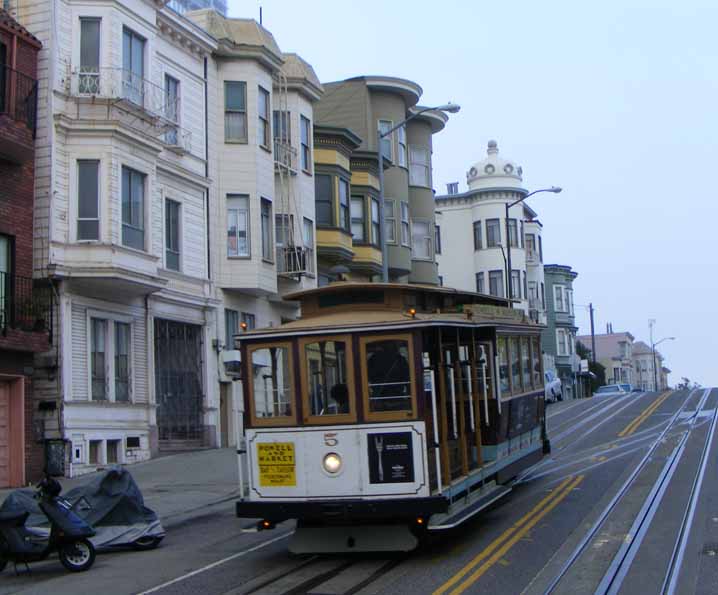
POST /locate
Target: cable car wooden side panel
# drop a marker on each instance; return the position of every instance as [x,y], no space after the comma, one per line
[388,410]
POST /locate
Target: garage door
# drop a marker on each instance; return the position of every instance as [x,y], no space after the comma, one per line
[4,434]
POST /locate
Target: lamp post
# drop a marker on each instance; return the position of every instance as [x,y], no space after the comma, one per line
[653,355]
[452,108]
[506,266]
[555,190]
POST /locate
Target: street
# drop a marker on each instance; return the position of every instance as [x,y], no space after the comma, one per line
[626,503]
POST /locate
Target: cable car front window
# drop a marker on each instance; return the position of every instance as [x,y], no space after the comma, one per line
[327,378]
[389,375]
[272,382]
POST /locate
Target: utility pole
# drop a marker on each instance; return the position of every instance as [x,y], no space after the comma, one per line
[651,322]
[593,334]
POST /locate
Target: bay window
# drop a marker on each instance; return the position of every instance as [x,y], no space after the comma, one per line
[419,174]
[238,225]
[421,239]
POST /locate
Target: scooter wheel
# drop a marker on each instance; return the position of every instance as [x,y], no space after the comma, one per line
[146,543]
[77,556]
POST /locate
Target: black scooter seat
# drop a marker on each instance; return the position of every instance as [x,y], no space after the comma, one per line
[13,519]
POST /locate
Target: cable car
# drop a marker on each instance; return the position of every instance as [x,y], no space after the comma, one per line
[385,411]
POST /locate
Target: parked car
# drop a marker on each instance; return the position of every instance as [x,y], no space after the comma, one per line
[552,387]
[613,389]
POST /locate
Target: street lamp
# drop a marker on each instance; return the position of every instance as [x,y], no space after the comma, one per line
[555,190]
[653,354]
[506,266]
[451,108]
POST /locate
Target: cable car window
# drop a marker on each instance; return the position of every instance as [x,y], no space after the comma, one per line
[504,366]
[526,362]
[515,365]
[271,382]
[536,357]
[327,380]
[388,371]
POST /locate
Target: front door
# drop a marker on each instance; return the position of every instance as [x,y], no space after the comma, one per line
[178,382]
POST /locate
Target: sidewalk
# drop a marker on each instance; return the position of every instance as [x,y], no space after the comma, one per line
[179,486]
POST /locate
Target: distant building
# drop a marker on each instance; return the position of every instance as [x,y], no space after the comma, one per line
[183,6]
[644,364]
[559,337]
[614,351]
[472,229]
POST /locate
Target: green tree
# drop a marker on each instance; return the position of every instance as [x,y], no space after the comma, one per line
[598,370]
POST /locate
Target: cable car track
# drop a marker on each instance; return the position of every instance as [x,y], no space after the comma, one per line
[620,564]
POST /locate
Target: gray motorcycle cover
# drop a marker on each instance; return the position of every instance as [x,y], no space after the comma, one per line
[112,503]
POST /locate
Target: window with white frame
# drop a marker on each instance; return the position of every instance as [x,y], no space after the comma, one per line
[133,208]
[421,239]
[480,288]
[238,225]
[390,220]
[305,130]
[493,232]
[561,342]
[172,108]
[405,237]
[569,301]
[513,234]
[401,146]
[231,327]
[263,118]
[496,283]
[558,298]
[88,199]
[516,284]
[133,67]
[172,234]
[374,203]
[386,141]
[308,238]
[110,347]
[358,219]
[235,111]
[419,174]
[266,228]
[89,81]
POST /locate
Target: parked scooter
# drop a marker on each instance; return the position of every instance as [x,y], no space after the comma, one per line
[68,533]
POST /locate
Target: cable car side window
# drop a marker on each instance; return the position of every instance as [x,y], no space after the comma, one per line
[328,380]
[536,357]
[515,365]
[526,363]
[388,377]
[504,366]
[272,385]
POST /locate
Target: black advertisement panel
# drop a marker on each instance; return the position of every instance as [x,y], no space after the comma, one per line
[391,458]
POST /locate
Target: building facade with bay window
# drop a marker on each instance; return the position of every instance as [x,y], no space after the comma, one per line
[473,246]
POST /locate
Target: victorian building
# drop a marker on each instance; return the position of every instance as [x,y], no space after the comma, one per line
[473,247]
[347,185]
[25,305]
[559,337]
[614,351]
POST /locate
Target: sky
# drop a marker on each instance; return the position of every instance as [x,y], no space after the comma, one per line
[616,102]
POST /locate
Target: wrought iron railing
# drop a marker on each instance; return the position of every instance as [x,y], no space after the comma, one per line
[285,155]
[126,85]
[293,260]
[18,96]
[23,305]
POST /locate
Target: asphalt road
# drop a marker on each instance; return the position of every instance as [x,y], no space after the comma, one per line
[627,503]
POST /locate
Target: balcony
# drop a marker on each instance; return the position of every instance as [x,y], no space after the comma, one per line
[118,87]
[294,261]
[285,157]
[18,114]
[24,307]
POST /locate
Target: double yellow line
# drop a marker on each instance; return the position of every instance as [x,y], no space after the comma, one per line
[633,426]
[498,548]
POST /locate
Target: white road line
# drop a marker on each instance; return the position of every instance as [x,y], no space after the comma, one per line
[217,563]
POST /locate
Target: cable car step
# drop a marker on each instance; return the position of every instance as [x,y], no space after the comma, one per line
[465,508]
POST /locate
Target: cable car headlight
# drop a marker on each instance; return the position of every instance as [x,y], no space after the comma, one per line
[332,463]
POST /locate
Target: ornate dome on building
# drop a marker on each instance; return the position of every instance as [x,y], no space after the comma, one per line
[494,171]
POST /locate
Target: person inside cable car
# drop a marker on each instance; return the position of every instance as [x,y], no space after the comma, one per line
[340,395]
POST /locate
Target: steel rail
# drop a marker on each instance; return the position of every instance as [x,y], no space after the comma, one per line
[591,533]
[670,581]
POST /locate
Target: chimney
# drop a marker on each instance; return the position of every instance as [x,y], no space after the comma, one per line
[452,188]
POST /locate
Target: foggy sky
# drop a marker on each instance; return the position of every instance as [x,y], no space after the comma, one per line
[614,101]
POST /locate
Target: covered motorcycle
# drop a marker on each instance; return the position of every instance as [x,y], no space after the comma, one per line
[112,503]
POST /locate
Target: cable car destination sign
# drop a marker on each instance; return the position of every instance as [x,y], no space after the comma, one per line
[277,467]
